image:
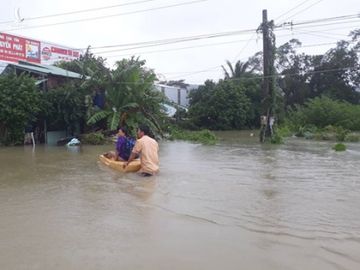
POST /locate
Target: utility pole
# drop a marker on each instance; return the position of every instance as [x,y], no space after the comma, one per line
[268,93]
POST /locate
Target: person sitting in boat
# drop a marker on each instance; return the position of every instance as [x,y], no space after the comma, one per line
[124,146]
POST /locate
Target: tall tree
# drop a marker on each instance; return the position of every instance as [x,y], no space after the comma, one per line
[92,68]
[219,106]
[294,67]
[336,73]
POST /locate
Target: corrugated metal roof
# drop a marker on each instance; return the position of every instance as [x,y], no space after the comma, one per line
[45,69]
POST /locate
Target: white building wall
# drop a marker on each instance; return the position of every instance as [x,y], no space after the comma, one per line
[176,94]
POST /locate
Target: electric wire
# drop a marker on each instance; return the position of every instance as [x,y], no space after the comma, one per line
[153,43]
[326,30]
[287,12]
[189,38]
[258,77]
[328,19]
[104,17]
[80,11]
[303,10]
[315,34]
[206,45]
[180,48]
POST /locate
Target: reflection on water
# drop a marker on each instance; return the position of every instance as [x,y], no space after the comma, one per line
[236,205]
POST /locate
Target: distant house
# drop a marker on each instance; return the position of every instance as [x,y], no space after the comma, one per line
[177,94]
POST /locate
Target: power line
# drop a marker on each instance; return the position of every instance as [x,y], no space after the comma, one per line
[198,71]
[318,44]
[337,18]
[305,9]
[207,45]
[326,32]
[315,34]
[161,42]
[105,17]
[299,5]
[243,48]
[195,46]
[258,77]
[80,11]
[198,37]
[326,29]
[181,48]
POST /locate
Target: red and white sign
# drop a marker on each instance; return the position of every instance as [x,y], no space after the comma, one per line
[14,49]
[51,53]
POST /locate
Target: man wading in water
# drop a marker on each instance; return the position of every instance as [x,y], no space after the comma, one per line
[148,150]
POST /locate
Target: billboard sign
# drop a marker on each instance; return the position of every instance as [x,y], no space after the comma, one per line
[51,53]
[15,48]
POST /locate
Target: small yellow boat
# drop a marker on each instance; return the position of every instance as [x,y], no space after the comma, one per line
[133,166]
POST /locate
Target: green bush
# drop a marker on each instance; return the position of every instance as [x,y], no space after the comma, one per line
[20,102]
[65,107]
[303,131]
[323,112]
[203,136]
[277,139]
[284,131]
[339,147]
[95,138]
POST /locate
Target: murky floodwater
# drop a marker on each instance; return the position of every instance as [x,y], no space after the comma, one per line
[236,205]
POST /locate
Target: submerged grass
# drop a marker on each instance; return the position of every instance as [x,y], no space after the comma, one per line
[339,147]
[204,136]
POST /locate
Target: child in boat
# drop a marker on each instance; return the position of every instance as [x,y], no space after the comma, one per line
[124,146]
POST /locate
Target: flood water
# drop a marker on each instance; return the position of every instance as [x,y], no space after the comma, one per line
[235,205]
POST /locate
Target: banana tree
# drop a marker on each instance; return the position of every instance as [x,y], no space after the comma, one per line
[131,97]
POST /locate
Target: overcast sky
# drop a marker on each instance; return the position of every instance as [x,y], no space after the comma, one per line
[148,20]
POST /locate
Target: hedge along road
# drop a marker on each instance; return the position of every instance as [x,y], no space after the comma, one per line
[234,205]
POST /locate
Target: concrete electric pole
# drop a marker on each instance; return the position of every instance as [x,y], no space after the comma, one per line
[268,93]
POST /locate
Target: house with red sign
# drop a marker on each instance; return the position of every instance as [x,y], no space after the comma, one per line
[37,58]
[20,55]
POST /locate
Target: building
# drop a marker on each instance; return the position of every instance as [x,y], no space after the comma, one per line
[47,76]
[178,95]
[20,55]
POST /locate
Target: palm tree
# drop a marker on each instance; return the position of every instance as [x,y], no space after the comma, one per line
[238,71]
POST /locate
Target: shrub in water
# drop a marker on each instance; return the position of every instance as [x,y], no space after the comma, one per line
[276,139]
[339,147]
[204,136]
[93,138]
